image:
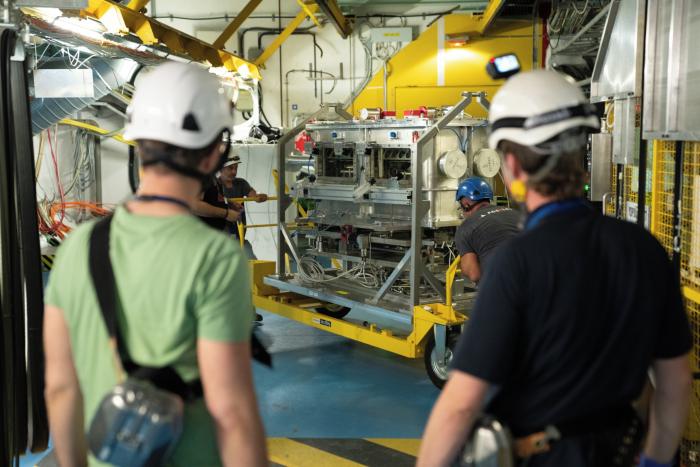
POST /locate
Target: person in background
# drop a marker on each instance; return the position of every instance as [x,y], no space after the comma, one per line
[234,187]
[572,312]
[485,227]
[212,208]
[217,211]
[176,281]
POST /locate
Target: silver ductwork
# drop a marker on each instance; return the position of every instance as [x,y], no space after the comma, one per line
[107,74]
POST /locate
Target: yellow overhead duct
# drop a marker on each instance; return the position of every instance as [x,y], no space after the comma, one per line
[433,71]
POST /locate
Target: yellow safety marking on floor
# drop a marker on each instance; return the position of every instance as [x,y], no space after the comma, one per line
[289,453]
[47,261]
[407,446]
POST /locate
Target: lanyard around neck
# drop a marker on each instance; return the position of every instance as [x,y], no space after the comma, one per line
[162,199]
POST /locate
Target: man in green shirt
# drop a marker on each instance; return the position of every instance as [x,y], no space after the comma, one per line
[183,288]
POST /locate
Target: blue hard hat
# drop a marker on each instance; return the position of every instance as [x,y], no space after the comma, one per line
[474,189]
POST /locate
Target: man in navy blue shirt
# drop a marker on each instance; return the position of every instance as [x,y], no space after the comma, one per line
[572,313]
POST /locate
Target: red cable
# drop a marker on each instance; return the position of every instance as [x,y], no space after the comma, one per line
[56,226]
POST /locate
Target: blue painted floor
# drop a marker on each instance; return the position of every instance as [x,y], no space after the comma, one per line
[325,386]
[328,386]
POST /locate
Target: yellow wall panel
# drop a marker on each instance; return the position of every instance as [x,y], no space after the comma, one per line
[413,78]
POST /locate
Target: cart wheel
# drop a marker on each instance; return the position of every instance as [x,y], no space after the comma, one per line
[333,310]
[438,371]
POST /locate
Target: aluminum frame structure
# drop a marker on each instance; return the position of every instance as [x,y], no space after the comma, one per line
[423,326]
[419,207]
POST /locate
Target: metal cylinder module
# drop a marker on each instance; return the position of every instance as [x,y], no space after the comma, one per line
[370,113]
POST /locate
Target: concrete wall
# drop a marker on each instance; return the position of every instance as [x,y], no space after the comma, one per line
[296,53]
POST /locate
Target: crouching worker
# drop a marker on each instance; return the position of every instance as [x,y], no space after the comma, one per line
[485,227]
[174,283]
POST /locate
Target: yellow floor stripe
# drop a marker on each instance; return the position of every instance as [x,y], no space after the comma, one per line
[407,446]
[289,453]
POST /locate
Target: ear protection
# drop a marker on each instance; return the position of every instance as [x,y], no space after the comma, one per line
[518,190]
[224,149]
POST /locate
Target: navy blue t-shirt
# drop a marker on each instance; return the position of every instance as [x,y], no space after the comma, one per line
[569,318]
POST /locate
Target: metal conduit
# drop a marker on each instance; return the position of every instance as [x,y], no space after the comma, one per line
[108,74]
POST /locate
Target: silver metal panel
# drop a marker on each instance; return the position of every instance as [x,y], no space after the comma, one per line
[626,131]
[672,70]
[402,197]
[618,68]
[379,137]
[319,292]
[376,197]
[601,160]
[673,135]
[656,67]
[56,83]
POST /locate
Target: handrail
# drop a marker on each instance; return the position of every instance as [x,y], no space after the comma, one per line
[241,232]
[250,199]
[449,279]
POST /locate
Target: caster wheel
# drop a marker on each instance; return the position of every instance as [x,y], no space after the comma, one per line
[438,370]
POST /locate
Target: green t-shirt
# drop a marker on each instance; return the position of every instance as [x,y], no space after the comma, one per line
[177,280]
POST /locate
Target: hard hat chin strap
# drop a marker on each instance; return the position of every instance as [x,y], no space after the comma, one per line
[166,158]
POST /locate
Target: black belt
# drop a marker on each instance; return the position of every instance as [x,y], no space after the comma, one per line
[540,442]
[592,423]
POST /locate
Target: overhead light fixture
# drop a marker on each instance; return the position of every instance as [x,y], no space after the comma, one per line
[47,13]
[456,40]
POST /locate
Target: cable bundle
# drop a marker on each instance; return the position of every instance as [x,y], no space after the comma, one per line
[366,274]
[52,211]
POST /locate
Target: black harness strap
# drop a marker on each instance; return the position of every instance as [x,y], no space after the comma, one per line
[165,378]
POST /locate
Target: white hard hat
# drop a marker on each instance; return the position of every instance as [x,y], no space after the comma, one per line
[179,104]
[535,106]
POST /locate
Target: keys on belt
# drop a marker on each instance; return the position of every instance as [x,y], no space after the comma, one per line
[536,443]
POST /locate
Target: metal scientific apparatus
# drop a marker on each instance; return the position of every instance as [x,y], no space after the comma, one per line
[370,256]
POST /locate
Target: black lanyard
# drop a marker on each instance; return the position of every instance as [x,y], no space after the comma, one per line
[162,199]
